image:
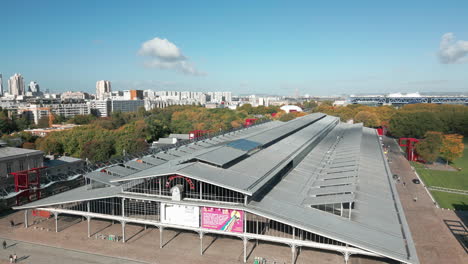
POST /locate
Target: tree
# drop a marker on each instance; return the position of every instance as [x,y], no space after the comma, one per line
[414,124]
[156,128]
[368,118]
[97,150]
[287,117]
[429,147]
[49,145]
[29,145]
[452,147]
[43,122]
[81,119]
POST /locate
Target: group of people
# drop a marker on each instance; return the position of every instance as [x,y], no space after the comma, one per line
[13,258]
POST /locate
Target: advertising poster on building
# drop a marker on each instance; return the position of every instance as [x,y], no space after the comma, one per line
[180,215]
[223,219]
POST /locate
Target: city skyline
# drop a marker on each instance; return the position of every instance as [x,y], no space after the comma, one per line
[319,49]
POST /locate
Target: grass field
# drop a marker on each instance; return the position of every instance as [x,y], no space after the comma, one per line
[448,179]
[451,200]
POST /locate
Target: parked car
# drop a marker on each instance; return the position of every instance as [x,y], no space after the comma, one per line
[416,181]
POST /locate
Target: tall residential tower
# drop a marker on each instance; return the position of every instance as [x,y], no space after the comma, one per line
[1,85]
[102,87]
[16,84]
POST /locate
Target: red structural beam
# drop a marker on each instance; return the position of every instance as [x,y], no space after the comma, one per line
[26,180]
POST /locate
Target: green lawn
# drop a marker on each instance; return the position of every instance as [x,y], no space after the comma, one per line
[448,179]
[451,200]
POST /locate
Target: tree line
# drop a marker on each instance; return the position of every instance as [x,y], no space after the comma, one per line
[413,120]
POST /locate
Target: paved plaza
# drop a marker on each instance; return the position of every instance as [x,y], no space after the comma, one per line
[143,244]
[434,241]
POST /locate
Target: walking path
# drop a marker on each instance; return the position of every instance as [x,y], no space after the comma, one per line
[42,254]
[442,189]
[434,239]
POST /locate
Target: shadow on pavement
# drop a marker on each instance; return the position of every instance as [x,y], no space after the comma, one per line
[459,232]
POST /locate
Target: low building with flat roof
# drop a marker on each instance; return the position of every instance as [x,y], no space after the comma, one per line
[18,159]
[312,182]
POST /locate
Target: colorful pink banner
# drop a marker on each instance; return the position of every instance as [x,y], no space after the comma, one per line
[223,219]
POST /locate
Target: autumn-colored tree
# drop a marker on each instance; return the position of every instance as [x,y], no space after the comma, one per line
[429,147]
[452,147]
[29,145]
[368,118]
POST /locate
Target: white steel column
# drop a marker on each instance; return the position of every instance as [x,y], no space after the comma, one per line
[123,207]
[245,249]
[346,257]
[159,182]
[161,236]
[201,243]
[293,251]
[56,221]
[88,218]
[123,231]
[201,191]
[26,218]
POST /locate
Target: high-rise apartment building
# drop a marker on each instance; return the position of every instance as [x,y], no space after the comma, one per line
[34,87]
[1,84]
[102,87]
[16,84]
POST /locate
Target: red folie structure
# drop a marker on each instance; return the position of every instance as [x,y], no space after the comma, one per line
[28,182]
[250,121]
[197,133]
[410,143]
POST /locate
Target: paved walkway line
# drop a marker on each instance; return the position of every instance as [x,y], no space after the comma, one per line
[417,175]
[74,250]
[448,190]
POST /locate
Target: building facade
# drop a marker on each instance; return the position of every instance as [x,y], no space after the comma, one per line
[102,87]
[18,159]
[16,85]
[312,182]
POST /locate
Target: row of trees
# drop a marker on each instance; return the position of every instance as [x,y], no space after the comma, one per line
[436,144]
[99,139]
[413,120]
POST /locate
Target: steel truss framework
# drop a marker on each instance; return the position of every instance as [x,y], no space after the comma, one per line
[148,212]
[409,100]
[193,189]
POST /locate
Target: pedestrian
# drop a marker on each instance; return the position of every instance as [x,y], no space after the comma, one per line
[4,244]
[12,223]
[11,258]
[15,258]
[415,199]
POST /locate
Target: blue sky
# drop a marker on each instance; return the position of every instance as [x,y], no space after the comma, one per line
[320,48]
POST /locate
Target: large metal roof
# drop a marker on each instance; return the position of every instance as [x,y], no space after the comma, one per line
[327,163]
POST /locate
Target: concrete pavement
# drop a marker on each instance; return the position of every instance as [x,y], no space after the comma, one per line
[434,241]
[42,254]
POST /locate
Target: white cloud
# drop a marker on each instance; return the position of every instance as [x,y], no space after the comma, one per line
[452,51]
[164,54]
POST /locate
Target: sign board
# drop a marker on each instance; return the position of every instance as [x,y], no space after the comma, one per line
[180,215]
[223,219]
[40,213]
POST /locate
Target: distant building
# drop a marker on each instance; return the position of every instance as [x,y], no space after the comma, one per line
[18,159]
[102,87]
[16,85]
[105,107]
[67,96]
[291,108]
[34,87]
[136,94]
[42,132]
[1,84]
